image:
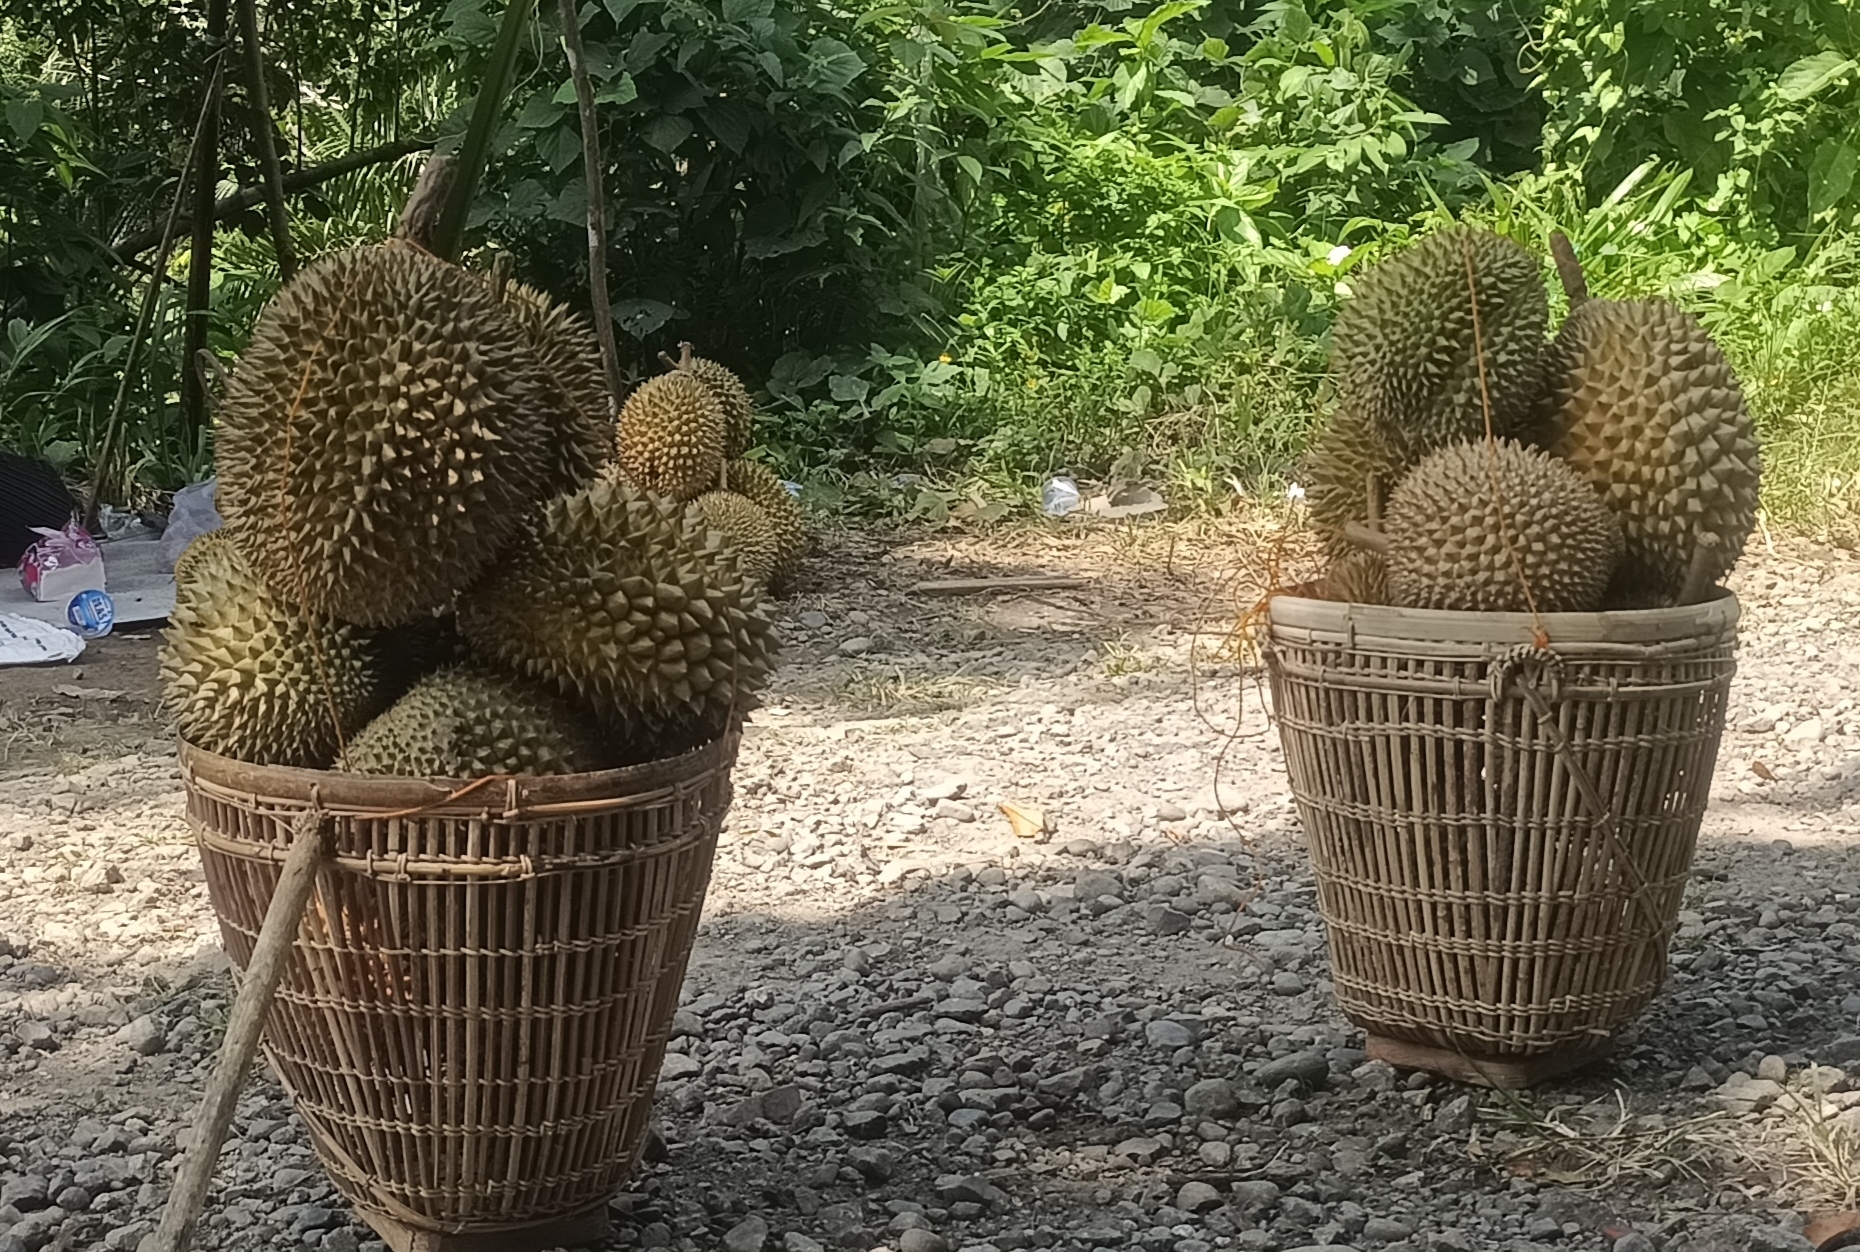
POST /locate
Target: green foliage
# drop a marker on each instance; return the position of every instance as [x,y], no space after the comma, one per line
[1759,99]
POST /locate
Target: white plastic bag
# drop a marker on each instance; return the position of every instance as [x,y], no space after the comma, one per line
[24,641]
[194,515]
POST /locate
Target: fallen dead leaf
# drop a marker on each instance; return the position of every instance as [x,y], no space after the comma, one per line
[1027,823]
[1762,771]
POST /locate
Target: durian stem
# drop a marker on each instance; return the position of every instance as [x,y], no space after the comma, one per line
[1365,538]
[1569,268]
[420,216]
[1699,575]
[1372,495]
[593,174]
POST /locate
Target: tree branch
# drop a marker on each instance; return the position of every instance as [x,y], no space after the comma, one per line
[267,135]
[597,203]
[301,180]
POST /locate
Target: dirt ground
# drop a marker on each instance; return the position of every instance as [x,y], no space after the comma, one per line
[868,856]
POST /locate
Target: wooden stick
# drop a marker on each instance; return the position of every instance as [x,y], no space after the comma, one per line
[264,971]
[213,377]
[267,139]
[1365,538]
[1569,268]
[592,174]
[971,586]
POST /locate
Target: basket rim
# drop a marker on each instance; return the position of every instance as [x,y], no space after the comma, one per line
[337,789]
[1709,619]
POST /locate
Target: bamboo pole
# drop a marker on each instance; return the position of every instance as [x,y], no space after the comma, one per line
[597,200]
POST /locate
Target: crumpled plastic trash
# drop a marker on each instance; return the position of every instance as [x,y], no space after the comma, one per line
[25,641]
[1060,496]
[194,514]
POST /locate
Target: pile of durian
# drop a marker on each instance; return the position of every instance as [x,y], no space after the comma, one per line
[444,557]
[1476,464]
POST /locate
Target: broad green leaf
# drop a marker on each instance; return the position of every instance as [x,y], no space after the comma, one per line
[1831,175]
[620,8]
[1146,361]
[1810,75]
[743,10]
[565,94]
[832,66]
[848,388]
[622,90]
[666,133]
[971,167]
[24,117]
[544,109]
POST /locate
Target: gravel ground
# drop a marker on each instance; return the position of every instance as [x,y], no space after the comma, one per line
[907,1027]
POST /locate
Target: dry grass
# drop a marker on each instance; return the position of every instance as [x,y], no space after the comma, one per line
[898,693]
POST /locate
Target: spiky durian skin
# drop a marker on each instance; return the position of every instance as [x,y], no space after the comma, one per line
[466,723]
[1647,409]
[760,485]
[1337,470]
[616,596]
[1457,543]
[247,676]
[739,411]
[1358,578]
[566,346]
[671,436]
[1402,349]
[406,654]
[745,526]
[382,436]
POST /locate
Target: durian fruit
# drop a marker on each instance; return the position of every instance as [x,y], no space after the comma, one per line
[1473,522]
[635,737]
[382,436]
[739,411]
[1338,467]
[618,597]
[1358,578]
[671,436]
[566,346]
[247,676]
[1402,348]
[466,723]
[1646,408]
[760,484]
[746,528]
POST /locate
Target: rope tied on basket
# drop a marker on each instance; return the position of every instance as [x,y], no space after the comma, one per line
[1536,673]
[1539,667]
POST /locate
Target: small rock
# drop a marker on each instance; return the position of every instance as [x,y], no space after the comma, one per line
[1164,1033]
[866,1124]
[1286,983]
[795,1241]
[955,1189]
[27,1193]
[748,1235]
[36,1035]
[1197,1197]
[1212,889]
[948,968]
[1253,1197]
[341,1239]
[1310,1067]
[1773,1069]
[954,812]
[1634,1241]
[1810,731]
[678,1066]
[858,645]
[1776,1239]
[1094,883]
[1167,921]
[144,1036]
[1171,812]
[781,1104]
[1455,1117]
[1211,1098]
[875,1165]
[1385,1230]
[922,1241]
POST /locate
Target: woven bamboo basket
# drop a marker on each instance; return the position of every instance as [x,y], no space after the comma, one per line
[1501,831]
[473,1018]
